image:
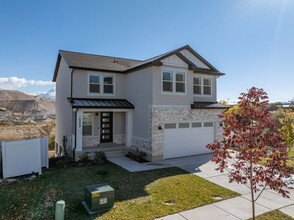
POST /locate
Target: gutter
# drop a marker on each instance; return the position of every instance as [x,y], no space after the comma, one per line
[71,81]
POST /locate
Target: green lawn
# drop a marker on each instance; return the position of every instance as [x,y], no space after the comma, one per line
[139,195]
[274,215]
[290,161]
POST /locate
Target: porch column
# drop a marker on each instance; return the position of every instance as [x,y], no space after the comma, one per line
[129,128]
[79,134]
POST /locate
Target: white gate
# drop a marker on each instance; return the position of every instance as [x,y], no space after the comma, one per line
[24,156]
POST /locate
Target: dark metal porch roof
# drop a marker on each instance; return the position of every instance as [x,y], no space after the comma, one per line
[208,105]
[100,103]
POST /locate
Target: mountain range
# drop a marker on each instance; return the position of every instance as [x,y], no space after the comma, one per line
[18,102]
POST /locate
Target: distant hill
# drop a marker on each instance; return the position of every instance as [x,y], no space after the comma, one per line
[14,95]
[19,102]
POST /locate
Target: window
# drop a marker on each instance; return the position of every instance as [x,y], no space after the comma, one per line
[170,125]
[208,124]
[197,85]
[184,125]
[167,81]
[173,82]
[87,125]
[108,84]
[196,125]
[201,85]
[94,84]
[180,82]
[207,86]
[100,84]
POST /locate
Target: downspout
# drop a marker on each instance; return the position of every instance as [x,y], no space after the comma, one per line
[74,150]
[71,91]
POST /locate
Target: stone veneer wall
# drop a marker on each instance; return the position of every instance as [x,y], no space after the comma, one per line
[90,141]
[142,144]
[160,115]
[119,138]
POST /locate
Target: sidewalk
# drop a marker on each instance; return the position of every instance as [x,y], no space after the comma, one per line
[235,208]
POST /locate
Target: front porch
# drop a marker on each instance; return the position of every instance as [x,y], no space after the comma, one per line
[102,125]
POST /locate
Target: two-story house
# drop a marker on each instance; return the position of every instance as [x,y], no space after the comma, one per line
[165,106]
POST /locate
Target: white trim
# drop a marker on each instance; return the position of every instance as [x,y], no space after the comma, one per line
[101,79]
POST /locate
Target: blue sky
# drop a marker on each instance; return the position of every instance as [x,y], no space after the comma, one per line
[250,40]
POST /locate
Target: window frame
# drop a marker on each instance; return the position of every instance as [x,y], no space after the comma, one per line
[101,79]
[202,85]
[174,82]
[92,125]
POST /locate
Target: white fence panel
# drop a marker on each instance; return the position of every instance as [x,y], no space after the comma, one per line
[44,152]
[21,157]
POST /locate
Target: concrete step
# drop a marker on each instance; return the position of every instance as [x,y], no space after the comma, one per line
[114,153]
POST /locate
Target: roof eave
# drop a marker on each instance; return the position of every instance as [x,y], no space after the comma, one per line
[56,67]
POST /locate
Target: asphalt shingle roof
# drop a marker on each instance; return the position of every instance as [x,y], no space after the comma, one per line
[123,65]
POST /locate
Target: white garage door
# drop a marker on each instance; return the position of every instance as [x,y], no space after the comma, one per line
[185,139]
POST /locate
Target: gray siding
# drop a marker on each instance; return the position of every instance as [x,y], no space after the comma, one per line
[80,85]
[139,86]
[119,123]
[63,108]
[186,99]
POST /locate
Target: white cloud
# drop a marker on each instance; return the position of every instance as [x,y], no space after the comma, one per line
[15,82]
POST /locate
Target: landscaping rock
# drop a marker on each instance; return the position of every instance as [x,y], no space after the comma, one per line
[290,180]
[1,181]
[33,177]
[11,180]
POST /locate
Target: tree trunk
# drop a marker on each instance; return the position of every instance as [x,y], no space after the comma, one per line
[252,192]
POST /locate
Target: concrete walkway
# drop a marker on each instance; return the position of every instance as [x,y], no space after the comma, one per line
[235,208]
[133,166]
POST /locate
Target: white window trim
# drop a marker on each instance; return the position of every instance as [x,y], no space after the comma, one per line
[202,85]
[101,84]
[92,124]
[174,82]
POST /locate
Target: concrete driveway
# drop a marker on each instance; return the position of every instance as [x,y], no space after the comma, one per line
[235,208]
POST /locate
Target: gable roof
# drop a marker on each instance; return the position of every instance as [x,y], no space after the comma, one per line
[85,61]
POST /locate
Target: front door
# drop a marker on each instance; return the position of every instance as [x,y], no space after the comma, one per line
[106,127]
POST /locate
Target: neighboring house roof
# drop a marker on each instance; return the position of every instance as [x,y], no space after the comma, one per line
[208,105]
[100,103]
[121,65]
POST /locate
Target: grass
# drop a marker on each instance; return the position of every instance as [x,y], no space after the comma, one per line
[274,215]
[139,195]
[290,161]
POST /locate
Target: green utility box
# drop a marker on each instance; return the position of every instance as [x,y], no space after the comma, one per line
[99,197]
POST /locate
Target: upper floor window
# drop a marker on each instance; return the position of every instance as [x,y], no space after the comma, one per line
[101,84]
[173,82]
[94,84]
[201,85]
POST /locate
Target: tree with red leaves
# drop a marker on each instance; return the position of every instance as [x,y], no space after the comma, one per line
[250,135]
